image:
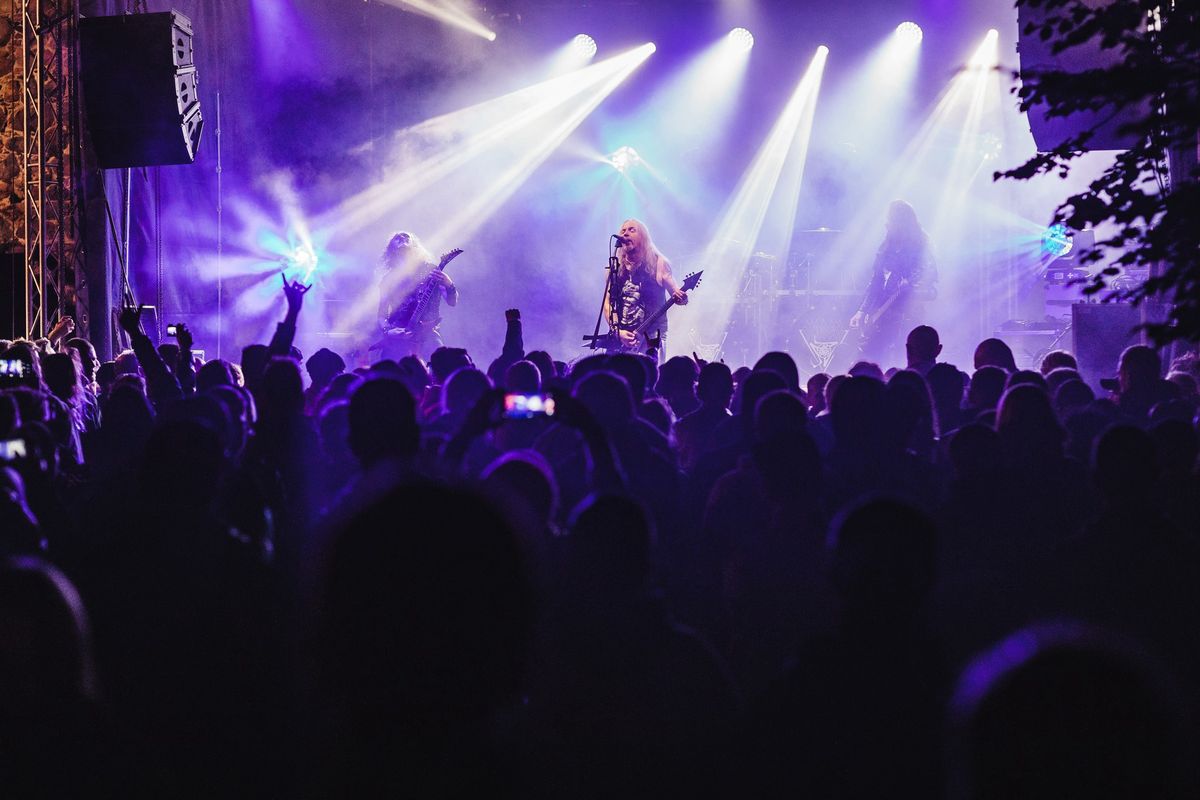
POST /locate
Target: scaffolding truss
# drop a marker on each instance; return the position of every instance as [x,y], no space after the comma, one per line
[51,165]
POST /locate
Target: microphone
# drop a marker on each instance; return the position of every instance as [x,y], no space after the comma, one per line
[621,240]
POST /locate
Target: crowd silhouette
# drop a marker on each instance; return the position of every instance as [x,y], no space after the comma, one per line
[290,577]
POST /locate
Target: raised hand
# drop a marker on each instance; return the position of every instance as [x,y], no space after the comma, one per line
[63,328]
[130,319]
[183,335]
[294,292]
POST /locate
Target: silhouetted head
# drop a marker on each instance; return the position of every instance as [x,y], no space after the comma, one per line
[282,391]
[947,384]
[975,451]
[383,421]
[545,364]
[859,415]
[783,451]
[323,365]
[426,607]
[1072,396]
[254,362]
[606,395]
[883,556]
[714,387]
[445,361]
[522,485]
[523,377]
[923,345]
[1060,375]
[677,376]
[1057,359]
[866,369]
[814,390]
[463,390]
[1027,376]
[1027,423]
[214,373]
[61,373]
[45,644]
[1062,710]
[631,368]
[987,385]
[782,365]
[995,353]
[911,406]
[88,362]
[754,388]
[1139,368]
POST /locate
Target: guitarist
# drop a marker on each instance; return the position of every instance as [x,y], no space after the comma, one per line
[643,282]
[904,274]
[405,266]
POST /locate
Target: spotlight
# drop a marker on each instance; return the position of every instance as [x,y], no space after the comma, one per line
[624,159]
[653,47]
[822,50]
[742,39]
[910,33]
[584,45]
[1057,241]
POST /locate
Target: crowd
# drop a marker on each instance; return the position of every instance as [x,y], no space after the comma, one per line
[289,577]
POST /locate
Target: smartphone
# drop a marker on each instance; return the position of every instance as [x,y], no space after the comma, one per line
[172,330]
[12,449]
[198,354]
[12,368]
[527,406]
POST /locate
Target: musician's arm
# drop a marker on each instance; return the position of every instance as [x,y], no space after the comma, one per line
[450,290]
[666,279]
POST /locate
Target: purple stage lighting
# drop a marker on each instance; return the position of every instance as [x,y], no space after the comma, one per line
[584,45]
[742,39]
[910,33]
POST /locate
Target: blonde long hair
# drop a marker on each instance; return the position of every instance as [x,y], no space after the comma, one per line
[650,254]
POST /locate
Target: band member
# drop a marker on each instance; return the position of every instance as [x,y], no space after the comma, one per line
[904,274]
[643,282]
[409,279]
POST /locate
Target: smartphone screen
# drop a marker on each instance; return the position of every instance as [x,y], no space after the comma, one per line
[526,406]
[12,449]
[12,368]
[172,330]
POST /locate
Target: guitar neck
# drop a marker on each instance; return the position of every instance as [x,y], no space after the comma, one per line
[655,317]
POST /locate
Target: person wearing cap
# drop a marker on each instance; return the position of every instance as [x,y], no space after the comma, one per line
[323,366]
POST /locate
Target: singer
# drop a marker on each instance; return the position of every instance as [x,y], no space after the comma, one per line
[644,281]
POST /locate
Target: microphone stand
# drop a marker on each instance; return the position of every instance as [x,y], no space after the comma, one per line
[610,283]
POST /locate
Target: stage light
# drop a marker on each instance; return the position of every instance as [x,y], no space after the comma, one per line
[584,45]
[742,39]
[822,51]
[910,33]
[447,13]
[624,159]
[990,146]
[1057,241]
[302,260]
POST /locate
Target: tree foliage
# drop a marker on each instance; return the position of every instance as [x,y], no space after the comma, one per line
[1155,83]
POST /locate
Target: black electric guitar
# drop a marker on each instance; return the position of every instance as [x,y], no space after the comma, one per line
[411,326]
[612,342]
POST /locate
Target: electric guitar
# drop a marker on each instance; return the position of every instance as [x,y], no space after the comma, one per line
[412,326]
[612,342]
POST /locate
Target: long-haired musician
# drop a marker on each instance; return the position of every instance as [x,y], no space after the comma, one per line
[407,272]
[644,282]
[903,275]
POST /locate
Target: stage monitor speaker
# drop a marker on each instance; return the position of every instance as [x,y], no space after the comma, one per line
[1050,132]
[139,87]
[1100,332]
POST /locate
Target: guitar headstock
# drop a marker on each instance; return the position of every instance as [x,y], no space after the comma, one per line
[449,256]
[691,281]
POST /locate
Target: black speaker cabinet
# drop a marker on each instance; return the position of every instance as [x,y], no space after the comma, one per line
[1101,331]
[139,87]
[1050,132]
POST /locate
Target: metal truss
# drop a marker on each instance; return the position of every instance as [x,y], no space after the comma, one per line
[51,165]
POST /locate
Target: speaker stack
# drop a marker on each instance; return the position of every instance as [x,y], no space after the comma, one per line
[139,85]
